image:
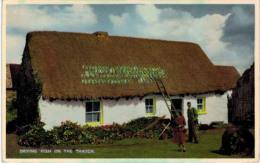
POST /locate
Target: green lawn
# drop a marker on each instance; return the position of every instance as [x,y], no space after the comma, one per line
[142,148]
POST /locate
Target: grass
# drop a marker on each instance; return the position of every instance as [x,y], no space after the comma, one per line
[210,141]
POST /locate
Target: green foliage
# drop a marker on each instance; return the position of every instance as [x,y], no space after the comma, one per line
[28,93]
[11,111]
[139,123]
[120,74]
[69,133]
[34,136]
[11,116]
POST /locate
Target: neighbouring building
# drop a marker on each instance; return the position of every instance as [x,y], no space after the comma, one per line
[241,103]
[99,79]
[12,71]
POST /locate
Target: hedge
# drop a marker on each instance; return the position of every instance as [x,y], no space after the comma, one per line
[70,133]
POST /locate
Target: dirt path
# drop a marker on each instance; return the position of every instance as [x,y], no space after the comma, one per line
[12,147]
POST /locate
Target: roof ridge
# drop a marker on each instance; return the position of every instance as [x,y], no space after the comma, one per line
[117,36]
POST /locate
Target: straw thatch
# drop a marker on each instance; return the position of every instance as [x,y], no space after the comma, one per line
[228,76]
[57,58]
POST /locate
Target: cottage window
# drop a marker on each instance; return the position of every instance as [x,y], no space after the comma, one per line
[93,111]
[150,106]
[201,105]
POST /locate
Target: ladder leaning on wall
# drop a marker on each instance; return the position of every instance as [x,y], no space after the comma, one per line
[171,108]
[167,99]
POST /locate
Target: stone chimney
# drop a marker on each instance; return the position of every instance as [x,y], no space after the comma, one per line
[101,35]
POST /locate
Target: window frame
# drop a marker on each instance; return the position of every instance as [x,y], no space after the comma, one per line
[153,106]
[94,123]
[203,109]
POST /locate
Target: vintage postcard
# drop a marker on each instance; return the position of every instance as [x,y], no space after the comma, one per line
[123,81]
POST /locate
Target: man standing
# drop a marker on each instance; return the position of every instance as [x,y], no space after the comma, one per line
[192,123]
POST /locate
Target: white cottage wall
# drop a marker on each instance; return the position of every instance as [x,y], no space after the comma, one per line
[122,110]
[55,112]
[217,109]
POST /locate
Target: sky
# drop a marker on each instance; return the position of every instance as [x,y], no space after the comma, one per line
[224,32]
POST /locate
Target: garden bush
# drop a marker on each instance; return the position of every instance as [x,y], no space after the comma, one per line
[139,123]
[11,111]
[11,116]
[34,136]
[69,133]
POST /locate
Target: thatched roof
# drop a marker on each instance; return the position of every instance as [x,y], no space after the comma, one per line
[12,71]
[57,57]
[228,76]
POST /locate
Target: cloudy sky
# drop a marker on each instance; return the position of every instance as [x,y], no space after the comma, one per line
[225,32]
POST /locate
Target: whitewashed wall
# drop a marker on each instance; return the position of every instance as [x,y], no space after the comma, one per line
[216,108]
[120,111]
[125,110]
[55,112]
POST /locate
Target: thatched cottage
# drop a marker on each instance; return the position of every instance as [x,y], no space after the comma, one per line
[100,79]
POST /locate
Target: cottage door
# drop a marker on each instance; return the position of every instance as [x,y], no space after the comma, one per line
[178,104]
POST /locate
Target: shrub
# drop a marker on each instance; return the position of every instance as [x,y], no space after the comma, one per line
[11,116]
[33,136]
[103,134]
[67,133]
[11,111]
[139,123]
[134,127]
[87,137]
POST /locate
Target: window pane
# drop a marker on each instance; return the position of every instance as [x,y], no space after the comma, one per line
[88,117]
[95,117]
[149,109]
[88,107]
[96,106]
[199,106]
[151,102]
[148,101]
[199,101]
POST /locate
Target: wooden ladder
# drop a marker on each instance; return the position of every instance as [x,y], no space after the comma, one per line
[167,99]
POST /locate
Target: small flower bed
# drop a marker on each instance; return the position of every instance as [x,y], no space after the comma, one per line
[69,133]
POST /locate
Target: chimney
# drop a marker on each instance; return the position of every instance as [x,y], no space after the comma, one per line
[101,35]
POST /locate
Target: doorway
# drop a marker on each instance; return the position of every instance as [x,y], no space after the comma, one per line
[178,104]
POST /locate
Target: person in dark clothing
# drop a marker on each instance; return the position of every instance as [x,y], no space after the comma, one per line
[192,123]
[179,134]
